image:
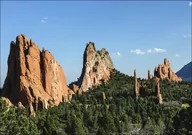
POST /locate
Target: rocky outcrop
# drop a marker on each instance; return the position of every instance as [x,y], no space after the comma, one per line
[97,67]
[136,84]
[141,87]
[163,71]
[158,92]
[74,87]
[34,77]
[103,96]
[7,101]
[150,76]
[20,105]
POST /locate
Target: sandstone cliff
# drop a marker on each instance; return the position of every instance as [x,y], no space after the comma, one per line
[97,66]
[163,71]
[34,77]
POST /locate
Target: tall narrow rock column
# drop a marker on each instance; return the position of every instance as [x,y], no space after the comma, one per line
[149,75]
[159,93]
[135,84]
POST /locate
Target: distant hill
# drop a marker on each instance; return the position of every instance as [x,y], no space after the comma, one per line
[186,72]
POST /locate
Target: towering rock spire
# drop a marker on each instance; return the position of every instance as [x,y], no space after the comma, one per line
[163,71]
[158,92]
[149,75]
[97,66]
[33,74]
[136,84]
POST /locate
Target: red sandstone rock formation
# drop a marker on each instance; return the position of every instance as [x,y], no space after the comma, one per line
[75,88]
[7,101]
[20,105]
[34,77]
[136,85]
[163,71]
[97,67]
[103,96]
[158,92]
[149,75]
[140,88]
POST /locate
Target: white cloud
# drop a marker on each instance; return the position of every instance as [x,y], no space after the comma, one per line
[187,36]
[138,51]
[190,3]
[44,20]
[177,55]
[159,50]
[184,35]
[118,53]
[154,50]
[149,51]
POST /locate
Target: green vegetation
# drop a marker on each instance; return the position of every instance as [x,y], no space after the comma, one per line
[119,113]
[185,105]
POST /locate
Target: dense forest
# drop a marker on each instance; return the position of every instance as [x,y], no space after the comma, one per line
[109,109]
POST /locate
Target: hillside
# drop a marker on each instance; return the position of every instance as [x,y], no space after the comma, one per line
[186,72]
[109,108]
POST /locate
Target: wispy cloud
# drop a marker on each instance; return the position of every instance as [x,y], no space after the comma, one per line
[177,55]
[137,51]
[156,50]
[44,20]
[190,3]
[149,51]
[118,53]
[187,36]
[159,50]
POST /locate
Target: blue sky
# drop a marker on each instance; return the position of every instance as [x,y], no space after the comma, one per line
[138,35]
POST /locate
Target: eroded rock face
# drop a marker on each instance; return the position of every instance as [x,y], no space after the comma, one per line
[97,66]
[163,71]
[32,75]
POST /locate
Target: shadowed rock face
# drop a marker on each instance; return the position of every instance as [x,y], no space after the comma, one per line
[163,71]
[97,66]
[32,75]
